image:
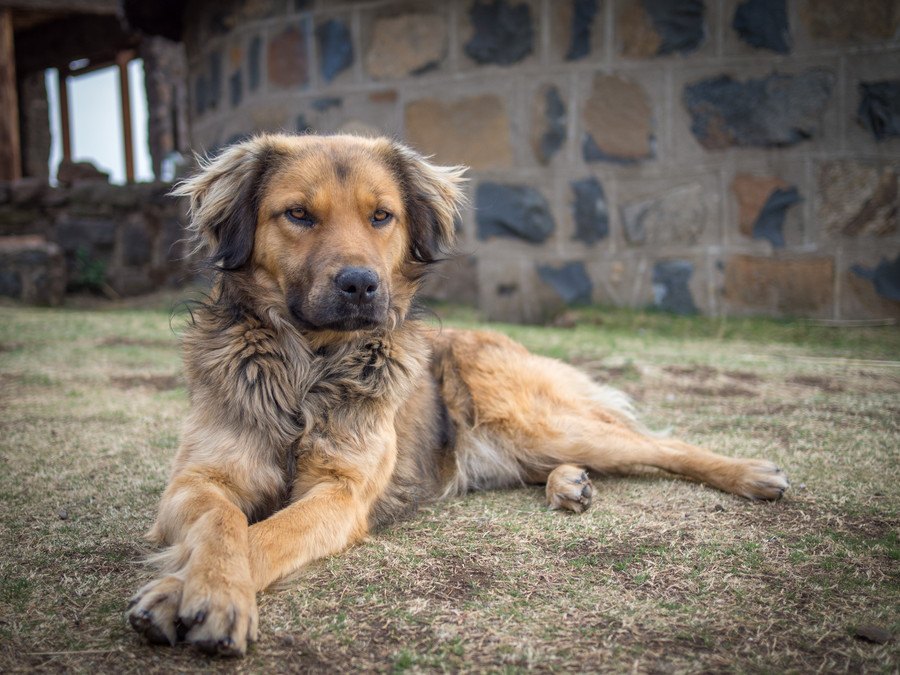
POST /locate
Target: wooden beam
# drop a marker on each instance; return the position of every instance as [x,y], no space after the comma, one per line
[65,124]
[10,143]
[122,59]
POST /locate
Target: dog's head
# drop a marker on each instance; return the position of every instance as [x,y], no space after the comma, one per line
[334,231]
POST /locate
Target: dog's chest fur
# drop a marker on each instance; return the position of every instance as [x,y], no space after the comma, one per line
[269,381]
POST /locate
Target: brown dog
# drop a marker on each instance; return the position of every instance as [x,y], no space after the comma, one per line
[321,408]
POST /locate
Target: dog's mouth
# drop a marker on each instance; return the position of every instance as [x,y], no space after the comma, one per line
[337,316]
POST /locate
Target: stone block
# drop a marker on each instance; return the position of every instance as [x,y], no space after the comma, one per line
[870,284]
[590,211]
[577,29]
[453,280]
[569,281]
[649,28]
[235,88]
[288,56]
[618,121]
[502,290]
[503,32]
[549,123]
[91,235]
[32,270]
[136,243]
[879,108]
[408,44]
[775,111]
[671,286]
[857,199]
[473,131]
[516,211]
[254,63]
[763,24]
[790,286]
[763,204]
[679,216]
[837,22]
[335,43]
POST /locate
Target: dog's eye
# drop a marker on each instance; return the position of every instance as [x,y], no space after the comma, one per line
[381,218]
[299,216]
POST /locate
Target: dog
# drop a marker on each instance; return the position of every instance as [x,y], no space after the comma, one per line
[322,407]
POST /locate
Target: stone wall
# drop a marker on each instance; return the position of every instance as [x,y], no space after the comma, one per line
[115,240]
[717,156]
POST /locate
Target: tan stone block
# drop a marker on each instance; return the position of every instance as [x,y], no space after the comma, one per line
[619,119]
[406,44]
[802,286]
[842,22]
[752,193]
[288,59]
[473,131]
[857,199]
[859,297]
[639,38]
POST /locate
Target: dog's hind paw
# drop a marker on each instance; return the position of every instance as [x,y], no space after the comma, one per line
[761,479]
[568,487]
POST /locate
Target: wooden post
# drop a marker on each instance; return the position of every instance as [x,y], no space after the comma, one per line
[62,86]
[122,59]
[10,148]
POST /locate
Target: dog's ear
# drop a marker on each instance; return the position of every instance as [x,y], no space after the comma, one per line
[224,201]
[433,197]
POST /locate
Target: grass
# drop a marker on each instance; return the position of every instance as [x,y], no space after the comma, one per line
[659,575]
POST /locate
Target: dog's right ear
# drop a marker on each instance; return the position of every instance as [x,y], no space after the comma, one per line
[224,201]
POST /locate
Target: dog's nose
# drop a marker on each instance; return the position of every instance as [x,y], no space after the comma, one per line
[357,284]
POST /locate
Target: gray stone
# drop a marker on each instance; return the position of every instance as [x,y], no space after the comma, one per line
[504,33]
[570,281]
[552,127]
[214,91]
[335,48]
[254,63]
[763,24]
[137,246]
[516,211]
[671,291]
[32,270]
[885,277]
[675,217]
[590,211]
[680,24]
[879,108]
[93,234]
[201,94]
[775,111]
[770,222]
[583,13]
[235,88]
[326,103]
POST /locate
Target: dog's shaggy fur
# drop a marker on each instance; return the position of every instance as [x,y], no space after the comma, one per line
[321,408]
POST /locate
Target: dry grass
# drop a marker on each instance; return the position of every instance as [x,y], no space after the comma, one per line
[661,575]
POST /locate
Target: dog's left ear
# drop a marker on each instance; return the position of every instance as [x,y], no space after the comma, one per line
[433,197]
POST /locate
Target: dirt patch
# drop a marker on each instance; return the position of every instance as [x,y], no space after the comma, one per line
[157,382]
[11,346]
[723,391]
[137,342]
[743,376]
[701,373]
[816,382]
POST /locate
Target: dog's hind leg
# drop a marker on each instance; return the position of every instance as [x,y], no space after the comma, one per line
[529,414]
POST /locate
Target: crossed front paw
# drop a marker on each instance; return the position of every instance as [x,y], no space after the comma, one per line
[218,617]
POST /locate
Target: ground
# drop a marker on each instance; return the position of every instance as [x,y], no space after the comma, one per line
[660,575]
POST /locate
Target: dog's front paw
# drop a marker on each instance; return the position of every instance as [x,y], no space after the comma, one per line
[568,487]
[153,611]
[760,479]
[220,618]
